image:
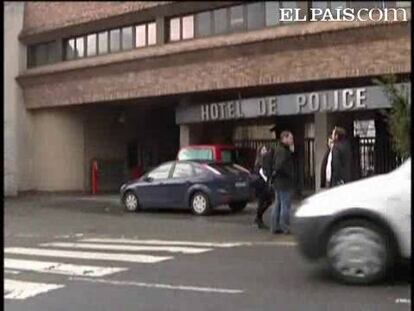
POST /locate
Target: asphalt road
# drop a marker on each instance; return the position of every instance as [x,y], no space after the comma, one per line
[84,253]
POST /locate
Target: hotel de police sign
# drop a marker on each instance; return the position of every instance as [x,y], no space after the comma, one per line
[349,99]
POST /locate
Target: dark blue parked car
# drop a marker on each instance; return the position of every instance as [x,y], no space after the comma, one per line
[189,184]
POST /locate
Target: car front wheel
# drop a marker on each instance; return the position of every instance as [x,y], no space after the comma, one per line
[237,206]
[130,202]
[358,252]
[200,204]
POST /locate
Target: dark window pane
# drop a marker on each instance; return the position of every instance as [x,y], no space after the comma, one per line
[272,13]
[236,18]
[127,38]
[41,54]
[255,16]
[152,34]
[290,4]
[140,36]
[319,5]
[103,42]
[115,40]
[220,21]
[203,24]
[91,45]
[337,5]
[31,56]
[366,4]
[175,27]
[80,47]
[188,27]
[52,52]
[70,49]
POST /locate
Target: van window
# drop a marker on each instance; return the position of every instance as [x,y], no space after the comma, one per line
[195,154]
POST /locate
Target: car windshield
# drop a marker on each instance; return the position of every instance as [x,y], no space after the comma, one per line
[195,154]
[227,156]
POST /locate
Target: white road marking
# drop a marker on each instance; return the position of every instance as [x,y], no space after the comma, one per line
[162,242]
[21,290]
[60,268]
[86,255]
[172,249]
[7,271]
[163,286]
[189,243]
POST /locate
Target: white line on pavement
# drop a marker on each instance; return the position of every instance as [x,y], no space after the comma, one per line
[86,255]
[190,243]
[172,249]
[60,268]
[21,290]
[7,271]
[163,286]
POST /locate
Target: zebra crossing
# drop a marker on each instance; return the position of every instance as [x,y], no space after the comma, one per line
[119,251]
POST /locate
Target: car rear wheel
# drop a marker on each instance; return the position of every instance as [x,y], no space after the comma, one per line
[200,204]
[131,202]
[358,252]
[237,206]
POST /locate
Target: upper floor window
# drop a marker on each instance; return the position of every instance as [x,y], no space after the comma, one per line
[181,28]
[42,54]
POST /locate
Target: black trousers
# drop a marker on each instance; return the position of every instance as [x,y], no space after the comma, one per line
[265,199]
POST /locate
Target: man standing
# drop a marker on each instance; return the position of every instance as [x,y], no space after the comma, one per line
[283,183]
[341,168]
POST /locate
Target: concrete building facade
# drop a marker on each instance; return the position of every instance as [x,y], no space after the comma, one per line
[111,80]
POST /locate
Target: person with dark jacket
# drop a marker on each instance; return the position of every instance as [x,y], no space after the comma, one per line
[283,183]
[341,158]
[263,171]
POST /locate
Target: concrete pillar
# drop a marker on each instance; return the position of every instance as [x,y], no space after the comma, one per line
[321,137]
[59,150]
[17,130]
[189,135]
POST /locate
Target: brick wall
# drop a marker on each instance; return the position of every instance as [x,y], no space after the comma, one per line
[42,16]
[329,55]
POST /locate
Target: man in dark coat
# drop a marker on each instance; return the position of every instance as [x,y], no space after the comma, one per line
[283,183]
[341,158]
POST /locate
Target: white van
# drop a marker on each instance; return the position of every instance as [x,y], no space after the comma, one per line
[361,228]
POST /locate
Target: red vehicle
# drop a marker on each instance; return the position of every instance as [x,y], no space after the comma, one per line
[218,153]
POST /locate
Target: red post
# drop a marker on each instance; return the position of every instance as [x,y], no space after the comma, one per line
[94,176]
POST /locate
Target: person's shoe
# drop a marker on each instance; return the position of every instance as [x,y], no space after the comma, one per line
[286,232]
[277,231]
[260,224]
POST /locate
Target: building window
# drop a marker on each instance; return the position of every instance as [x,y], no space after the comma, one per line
[236,18]
[175,29]
[70,49]
[140,36]
[255,16]
[115,40]
[103,42]
[127,38]
[220,21]
[272,13]
[203,24]
[41,54]
[80,47]
[188,27]
[152,34]
[91,45]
